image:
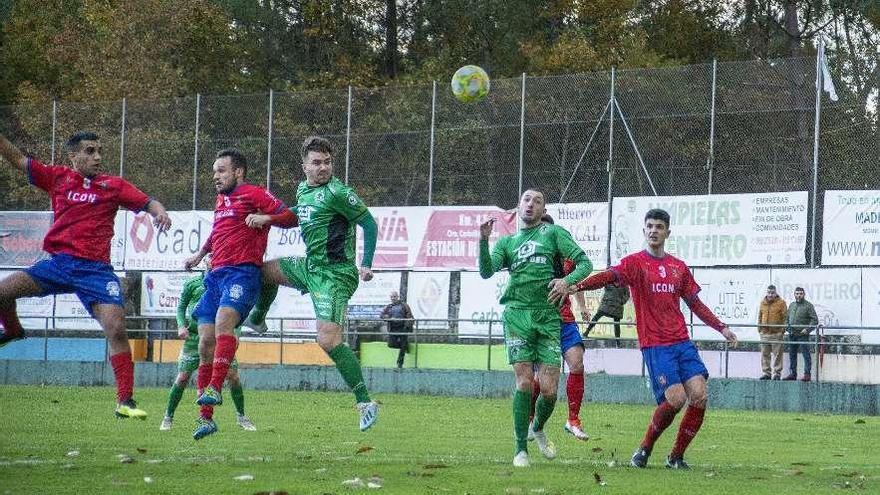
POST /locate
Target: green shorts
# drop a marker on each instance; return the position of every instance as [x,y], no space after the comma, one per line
[188,360]
[330,286]
[532,335]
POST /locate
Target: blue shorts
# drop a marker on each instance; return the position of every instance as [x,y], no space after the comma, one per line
[671,364]
[93,282]
[236,287]
[570,336]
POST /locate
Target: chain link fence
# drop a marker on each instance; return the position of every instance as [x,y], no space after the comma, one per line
[729,127]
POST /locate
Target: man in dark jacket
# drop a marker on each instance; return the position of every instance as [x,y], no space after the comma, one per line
[801,320]
[397,313]
[613,299]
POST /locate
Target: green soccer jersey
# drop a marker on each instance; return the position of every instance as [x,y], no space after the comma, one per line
[327,216]
[189,297]
[533,256]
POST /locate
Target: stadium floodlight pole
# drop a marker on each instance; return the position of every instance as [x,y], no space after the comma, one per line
[269,143]
[431,150]
[609,166]
[522,132]
[348,136]
[710,160]
[196,150]
[635,146]
[122,141]
[819,61]
[54,128]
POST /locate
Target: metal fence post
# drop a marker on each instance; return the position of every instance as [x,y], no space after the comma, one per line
[431,150]
[348,136]
[196,151]
[710,160]
[281,342]
[269,143]
[489,348]
[54,127]
[819,62]
[416,339]
[522,132]
[46,342]
[726,360]
[122,142]
[609,167]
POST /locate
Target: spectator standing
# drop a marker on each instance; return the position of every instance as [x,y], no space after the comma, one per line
[771,320]
[397,313]
[613,299]
[801,320]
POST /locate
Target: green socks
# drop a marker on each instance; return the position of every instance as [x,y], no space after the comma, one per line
[522,404]
[543,409]
[238,399]
[350,369]
[173,399]
[268,293]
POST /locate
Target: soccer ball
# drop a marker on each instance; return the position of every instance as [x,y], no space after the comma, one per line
[470,84]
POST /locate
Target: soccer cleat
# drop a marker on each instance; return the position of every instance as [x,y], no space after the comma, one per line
[639,458]
[204,427]
[790,377]
[521,459]
[546,447]
[129,409]
[764,377]
[573,426]
[369,412]
[245,423]
[676,463]
[210,397]
[259,328]
[806,378]
[5,339]
[166,423]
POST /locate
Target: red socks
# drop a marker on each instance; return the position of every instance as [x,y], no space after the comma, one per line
[687,430]
[663,416]
[574,389]
[203,379]
[9,320]
[224,353]
[123,370]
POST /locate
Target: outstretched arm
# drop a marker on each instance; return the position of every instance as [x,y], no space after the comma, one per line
[704,313]
[12,154]
[160,217]
[489,263]
[596,281]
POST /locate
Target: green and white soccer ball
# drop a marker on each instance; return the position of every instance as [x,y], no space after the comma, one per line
[470,83]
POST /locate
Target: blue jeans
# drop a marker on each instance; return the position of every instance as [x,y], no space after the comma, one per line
[799,343]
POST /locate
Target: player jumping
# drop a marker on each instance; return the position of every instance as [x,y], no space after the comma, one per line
[677,373]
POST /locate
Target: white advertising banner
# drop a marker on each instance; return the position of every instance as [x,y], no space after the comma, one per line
[427,294]
[284,243]
[835,293]
[70,314]
[588,224]
[296,307]
[735,297]
[871,304]
[722,229]
[479,302]
[148,249]
[851,228]
[160,292]
[117,244]
[32,307]
[370,297]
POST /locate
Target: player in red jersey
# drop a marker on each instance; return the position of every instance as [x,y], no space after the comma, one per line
[85,203]
[678,375]
[242,215]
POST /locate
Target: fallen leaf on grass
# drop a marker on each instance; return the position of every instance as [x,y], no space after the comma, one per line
[711,474]
[598,479]
[271,493]
[793,472]
[860,421]
[363,448]
[126,460]
[73,453]
[436,466]
[597,449]
[800,463]
[416,474]
[142,450]
[354,483]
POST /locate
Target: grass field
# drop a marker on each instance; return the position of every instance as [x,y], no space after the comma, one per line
[308,442]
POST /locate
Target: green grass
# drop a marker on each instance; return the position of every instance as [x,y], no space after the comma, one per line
[308,442]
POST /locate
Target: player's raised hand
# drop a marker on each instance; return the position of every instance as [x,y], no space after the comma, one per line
[486,228]
[162,221]
[192,261]
[730,336]
[366,273]
[257,221]
[558,291]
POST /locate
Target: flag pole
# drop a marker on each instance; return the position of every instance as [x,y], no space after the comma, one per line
[820,59]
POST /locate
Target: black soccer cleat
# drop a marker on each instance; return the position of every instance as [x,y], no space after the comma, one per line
[676,463]
[639,458]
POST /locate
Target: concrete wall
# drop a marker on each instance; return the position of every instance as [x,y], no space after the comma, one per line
[723,393]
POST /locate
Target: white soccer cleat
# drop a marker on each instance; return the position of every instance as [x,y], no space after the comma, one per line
[546,447]
[246,423]
[261,328]
[369,412]
[521,459]
[166,424]
[574,428]
[531,435]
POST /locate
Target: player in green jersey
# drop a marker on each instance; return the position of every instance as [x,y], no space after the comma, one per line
[188,361]
[531,314]
[328,212]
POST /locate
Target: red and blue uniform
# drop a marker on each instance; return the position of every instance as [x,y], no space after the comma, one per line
[570,334]
[79,239]
[237,251]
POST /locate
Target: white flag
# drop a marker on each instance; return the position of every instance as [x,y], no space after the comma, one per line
[827,82]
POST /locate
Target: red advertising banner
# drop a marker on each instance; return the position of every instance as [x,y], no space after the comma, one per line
[452,239]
